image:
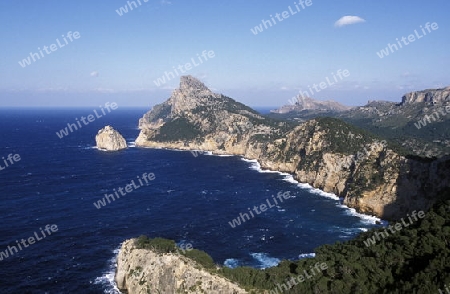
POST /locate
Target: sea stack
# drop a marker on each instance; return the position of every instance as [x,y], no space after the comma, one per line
[109,139]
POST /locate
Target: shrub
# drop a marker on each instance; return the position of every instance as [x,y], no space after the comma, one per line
[160,245]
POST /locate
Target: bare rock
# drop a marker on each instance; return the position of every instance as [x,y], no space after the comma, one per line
[110,140]
[433,96]
[141,271]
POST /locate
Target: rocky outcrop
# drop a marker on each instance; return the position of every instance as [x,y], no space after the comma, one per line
[325,153]
[433,96]
[141,271]
[110,140]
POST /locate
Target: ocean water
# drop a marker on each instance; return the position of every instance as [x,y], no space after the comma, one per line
[192,200]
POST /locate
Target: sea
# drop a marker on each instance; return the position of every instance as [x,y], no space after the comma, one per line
[192,199]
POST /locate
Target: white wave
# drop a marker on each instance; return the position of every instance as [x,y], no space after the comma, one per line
[199,152]
[265,260]
[316,191]
[366,219]
[306,255]
[249,160]
[254,165]
[290,179]
[107,279]
[231,263]
[131,144]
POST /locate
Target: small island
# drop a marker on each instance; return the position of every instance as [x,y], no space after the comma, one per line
[108,139]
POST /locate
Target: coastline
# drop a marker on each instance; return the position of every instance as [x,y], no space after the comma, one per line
[289,178]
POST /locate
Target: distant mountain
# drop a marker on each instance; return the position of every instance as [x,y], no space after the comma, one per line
[327,153]
[311,106]
[418,124]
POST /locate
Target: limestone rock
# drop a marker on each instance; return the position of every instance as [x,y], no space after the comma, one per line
[141,271]
[110,140]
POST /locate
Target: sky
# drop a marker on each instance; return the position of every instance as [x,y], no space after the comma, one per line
[97,52]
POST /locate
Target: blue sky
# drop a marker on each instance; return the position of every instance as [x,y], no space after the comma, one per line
[118,58]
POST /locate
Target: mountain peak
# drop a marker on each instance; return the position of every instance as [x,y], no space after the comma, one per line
[190,84]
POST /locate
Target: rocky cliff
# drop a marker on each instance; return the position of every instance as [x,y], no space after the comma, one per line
[327,153]
[110,140]
[142,271]
[433,96]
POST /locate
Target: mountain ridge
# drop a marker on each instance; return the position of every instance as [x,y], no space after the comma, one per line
[400,122]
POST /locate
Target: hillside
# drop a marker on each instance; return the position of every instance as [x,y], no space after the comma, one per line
[418,124]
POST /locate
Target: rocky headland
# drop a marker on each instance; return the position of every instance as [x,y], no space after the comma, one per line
[142,271]
[326,153]
[109,139]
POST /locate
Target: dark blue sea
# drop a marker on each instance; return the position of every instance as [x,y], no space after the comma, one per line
[191,200]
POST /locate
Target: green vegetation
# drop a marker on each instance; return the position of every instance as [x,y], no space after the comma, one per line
[415,259]
[162,245]
[399,126]
[338,133]
[200,257]
[178,129]
[158,111]
[159,245]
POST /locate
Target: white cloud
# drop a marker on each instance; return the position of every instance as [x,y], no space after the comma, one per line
[348,20]
[165,2]
[94,74]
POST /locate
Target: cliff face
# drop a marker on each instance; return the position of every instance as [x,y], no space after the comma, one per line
[142,271]
[110,140]
[325,153]
[434,96]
